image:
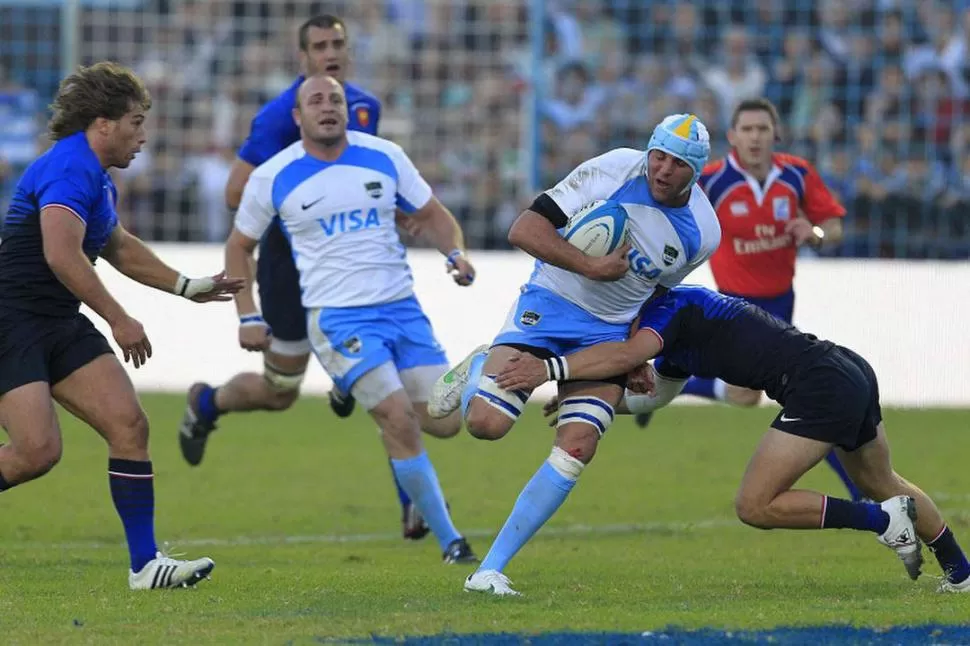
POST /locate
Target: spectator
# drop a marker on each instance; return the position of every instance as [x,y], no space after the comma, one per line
[739,76]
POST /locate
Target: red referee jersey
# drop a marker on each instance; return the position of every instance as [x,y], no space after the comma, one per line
[756,257]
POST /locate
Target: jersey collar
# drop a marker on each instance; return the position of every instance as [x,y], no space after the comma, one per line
[756,187]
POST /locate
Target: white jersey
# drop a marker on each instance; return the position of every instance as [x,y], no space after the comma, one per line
[339,218]
[668,242]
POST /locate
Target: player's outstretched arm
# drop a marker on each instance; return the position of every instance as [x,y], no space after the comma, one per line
[132,257]
[536,234]
[438,226]
[601,361]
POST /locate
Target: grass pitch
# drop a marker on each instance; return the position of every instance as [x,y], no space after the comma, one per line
[299,513]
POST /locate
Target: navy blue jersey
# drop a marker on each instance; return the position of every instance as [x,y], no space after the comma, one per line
[68,175]
[711,335]
[273,127]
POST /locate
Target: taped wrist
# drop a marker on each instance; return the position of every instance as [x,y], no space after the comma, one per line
[557,369]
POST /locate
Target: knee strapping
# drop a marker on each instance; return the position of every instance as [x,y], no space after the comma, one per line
[586,410]
[282,381]
[509,402]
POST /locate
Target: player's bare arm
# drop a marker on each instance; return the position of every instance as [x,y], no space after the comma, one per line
[132,257]
[536,235]
[63,234]
[239,255]
[238,176]
[602,361]
[438,226]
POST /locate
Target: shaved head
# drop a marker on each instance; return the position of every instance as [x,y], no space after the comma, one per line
[321,111]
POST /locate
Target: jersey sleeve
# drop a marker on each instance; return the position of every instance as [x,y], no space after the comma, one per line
[256,210]
[267,136]
[819,203]
[71,191]
[660,317]
[413,192]
[595,179]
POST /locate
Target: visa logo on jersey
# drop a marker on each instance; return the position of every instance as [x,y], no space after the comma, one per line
[348,221]
[642,265]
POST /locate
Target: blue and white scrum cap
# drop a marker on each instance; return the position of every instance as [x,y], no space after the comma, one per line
[684,137]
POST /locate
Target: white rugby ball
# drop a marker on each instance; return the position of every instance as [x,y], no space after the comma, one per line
[598,228]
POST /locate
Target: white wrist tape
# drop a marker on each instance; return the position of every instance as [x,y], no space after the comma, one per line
[190,287]
[253,318]
[557,369]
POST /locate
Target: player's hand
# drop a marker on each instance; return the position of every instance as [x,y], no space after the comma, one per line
[522,372]
[642,380]
[130,337]
[213,288]
[611,267]
[255,337]
[460,268]
[551,410]
[801,230]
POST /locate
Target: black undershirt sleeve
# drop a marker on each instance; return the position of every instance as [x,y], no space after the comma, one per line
[547,208]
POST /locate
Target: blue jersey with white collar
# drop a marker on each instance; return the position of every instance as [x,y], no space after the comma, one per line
[70,176]
[711,335]
[273,127]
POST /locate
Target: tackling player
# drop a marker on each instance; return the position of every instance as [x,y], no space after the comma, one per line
[574,301]
[324,49]
[336,194]
[61,219]
[830,400]
[758,194]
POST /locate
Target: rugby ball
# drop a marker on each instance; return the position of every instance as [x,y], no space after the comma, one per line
[598,228]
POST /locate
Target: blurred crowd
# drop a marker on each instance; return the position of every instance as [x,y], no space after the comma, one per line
[874,92]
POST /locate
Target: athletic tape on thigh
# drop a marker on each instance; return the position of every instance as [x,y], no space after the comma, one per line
[283,381]
[509,402]
[586,410]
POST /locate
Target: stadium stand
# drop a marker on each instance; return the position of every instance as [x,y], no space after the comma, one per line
[497,98]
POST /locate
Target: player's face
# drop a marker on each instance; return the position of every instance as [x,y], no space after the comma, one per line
[322,115]
[668,177]
[326,52]
[753,137]
[127,136]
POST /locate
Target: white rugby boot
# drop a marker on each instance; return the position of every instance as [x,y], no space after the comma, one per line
[446,392]
[491,581]
[901,533]
[948,586]
[166,572]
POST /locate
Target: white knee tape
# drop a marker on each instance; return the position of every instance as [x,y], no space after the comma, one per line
[565,465]
[282,381]
[586,410]
[509,402]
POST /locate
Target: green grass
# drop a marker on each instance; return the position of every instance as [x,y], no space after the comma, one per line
[620,556]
